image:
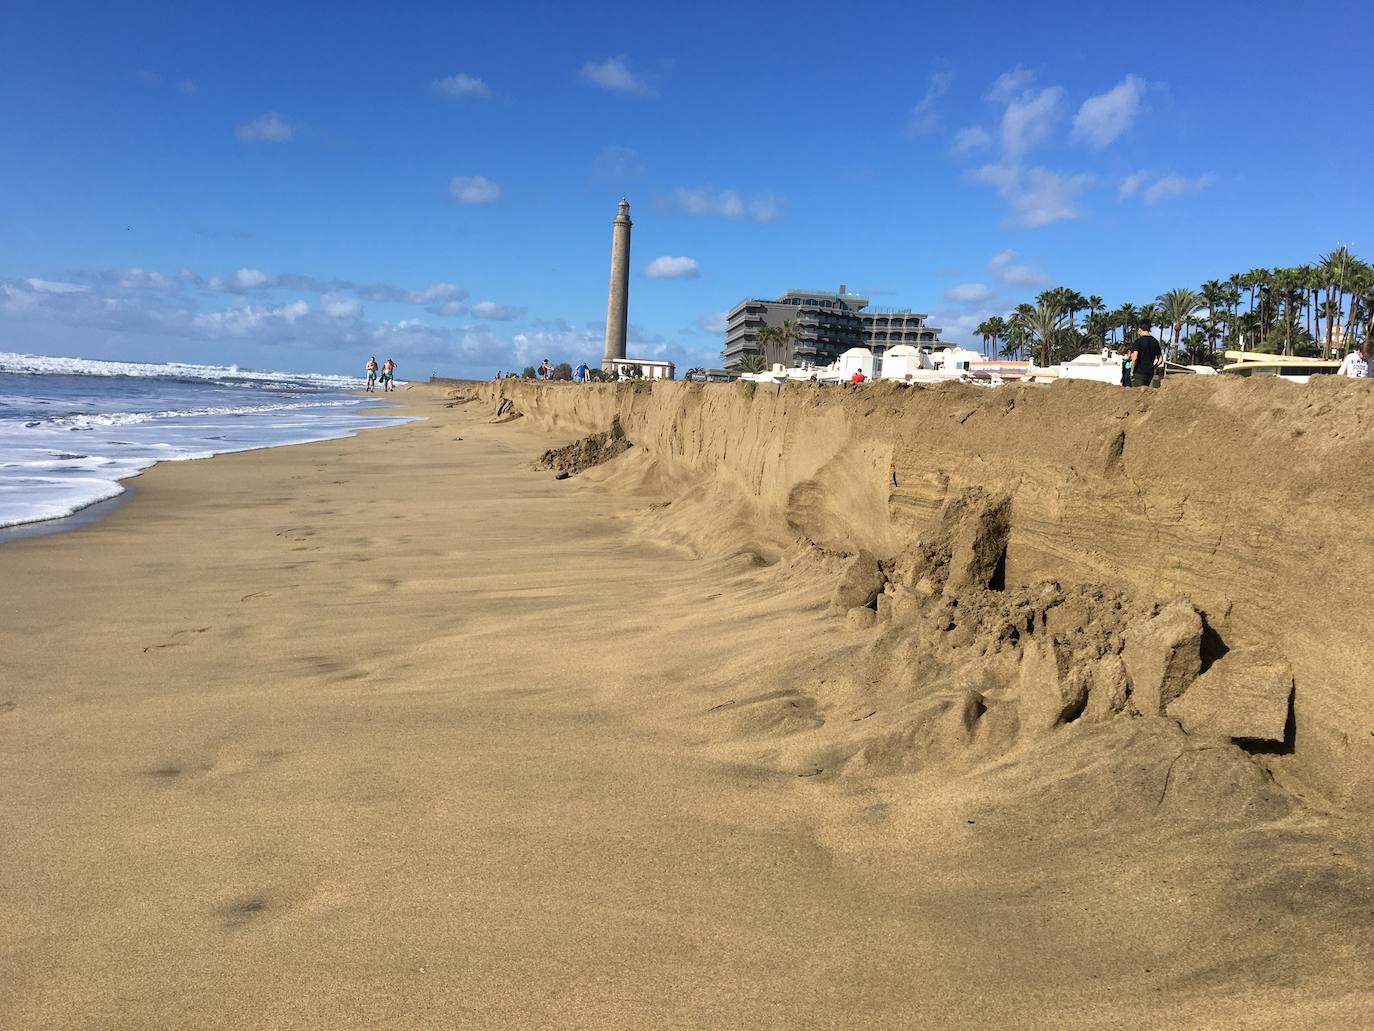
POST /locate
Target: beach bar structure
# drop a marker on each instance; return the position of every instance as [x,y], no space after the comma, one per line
[649,368]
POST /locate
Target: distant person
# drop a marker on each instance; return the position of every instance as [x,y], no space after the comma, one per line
[1356,364]
[1125,352]
[583,372]
[858,376]
[388,375]
[498,374]
[545,372]
[1147,360]
[371,373]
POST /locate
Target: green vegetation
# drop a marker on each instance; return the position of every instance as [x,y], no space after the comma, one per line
[1311,310]
[751,361]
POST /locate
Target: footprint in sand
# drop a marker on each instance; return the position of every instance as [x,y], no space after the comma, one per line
[245,909]
[268,594]
[174,643]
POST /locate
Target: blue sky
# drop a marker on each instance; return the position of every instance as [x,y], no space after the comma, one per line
[298,187]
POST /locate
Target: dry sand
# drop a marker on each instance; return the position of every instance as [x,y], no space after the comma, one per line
[400,732]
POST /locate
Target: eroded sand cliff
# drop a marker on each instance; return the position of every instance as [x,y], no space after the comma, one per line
[1192,555]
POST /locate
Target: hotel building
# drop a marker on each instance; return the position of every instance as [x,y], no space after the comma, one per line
[827,324]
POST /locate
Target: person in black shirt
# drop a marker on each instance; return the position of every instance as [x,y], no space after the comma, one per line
[1145,356]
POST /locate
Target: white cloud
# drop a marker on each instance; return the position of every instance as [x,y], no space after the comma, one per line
[250,279]
[123,301]
[1009,272]
[713,323]
[668,267]
[495,312]
[188,87]
[1170,186]
[1131,185]
[1037,196]
[52,286]
[968,293]
[449,308]
[614,74]
[436,292]
[460,85]
[924,117]
[1028,121]
[967,141]
[1010,84]
[338,306]
[474,189]
[243,319]
[268,128]
[1103,118]
[727,204]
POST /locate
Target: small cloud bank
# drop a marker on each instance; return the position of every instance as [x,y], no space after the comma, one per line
[701,203]
[1009,272]
[474,189]
[614,74]
[925,117]
[713,323]
[968,293]
[1165,187]
[459,86]
[1103,118]
[668,267]
[268,128]
[1037,196]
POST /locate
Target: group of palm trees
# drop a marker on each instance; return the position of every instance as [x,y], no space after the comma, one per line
[1316,310]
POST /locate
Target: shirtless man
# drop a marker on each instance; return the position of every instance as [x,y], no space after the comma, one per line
[389,376]
[371,373]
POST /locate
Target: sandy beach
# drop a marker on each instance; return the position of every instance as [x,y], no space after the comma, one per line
[400,731]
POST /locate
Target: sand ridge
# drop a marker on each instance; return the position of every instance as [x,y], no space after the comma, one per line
[398,732]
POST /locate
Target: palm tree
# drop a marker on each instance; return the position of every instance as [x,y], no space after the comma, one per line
[1334,268]
[997,329]
[1178,307]
[1043,323]
[694,372]
[984,333]
[1126,316]
[1214,297]
[751,361]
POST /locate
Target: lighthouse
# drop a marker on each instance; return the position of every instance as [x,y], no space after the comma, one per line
[618,303]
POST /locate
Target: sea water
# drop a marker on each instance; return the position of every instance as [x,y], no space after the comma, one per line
[72,429]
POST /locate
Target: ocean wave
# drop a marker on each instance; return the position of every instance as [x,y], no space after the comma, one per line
[84,422]
[223,375]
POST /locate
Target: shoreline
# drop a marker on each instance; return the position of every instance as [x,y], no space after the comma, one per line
[372,730]
[94,511]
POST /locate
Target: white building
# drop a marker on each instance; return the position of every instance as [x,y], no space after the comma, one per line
[649,368]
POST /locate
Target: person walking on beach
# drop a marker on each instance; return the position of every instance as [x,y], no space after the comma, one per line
[388,376]
[371,373]
[1146,357]
[583,371]
[1357,364]
[544,370]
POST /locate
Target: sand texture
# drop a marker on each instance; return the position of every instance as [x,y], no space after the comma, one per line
[789,708]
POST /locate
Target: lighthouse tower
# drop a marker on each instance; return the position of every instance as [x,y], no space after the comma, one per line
[617,306]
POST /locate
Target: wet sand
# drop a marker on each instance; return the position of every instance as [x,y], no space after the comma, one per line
[397,732]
